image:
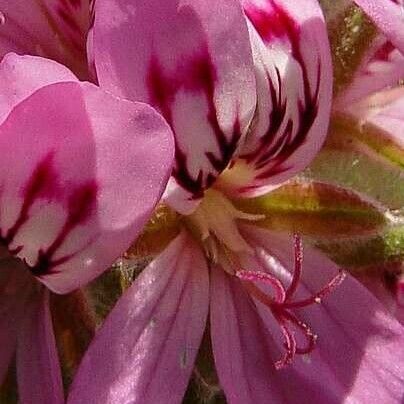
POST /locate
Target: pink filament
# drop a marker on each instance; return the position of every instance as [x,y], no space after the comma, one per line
[281,305]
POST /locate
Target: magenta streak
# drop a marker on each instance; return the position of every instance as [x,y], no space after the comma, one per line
[198,74]
[80,207]
[278,23]
[44,184]
[276,117]
[384,52]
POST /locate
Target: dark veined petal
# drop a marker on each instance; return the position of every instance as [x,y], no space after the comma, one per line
[75,186]
[191,59]
[294,85]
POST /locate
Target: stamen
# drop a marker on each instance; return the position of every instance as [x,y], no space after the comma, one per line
[298,247]
[290,345]
[317,297]
[250,277]
[311,337]
[281,305]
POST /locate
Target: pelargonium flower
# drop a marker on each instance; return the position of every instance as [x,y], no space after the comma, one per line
[388,15]
[50,28]
[247,92]
[69,151]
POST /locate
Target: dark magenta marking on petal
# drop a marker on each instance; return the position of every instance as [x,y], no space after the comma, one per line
[44,184]
[273,155]
[197,75]
[81,205]
[268,24]
[383,54]
[162,90]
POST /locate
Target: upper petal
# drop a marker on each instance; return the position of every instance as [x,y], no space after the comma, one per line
[191,59]
[38,369]
[294,85]
[388,15]
[80,174]
[52,28]
[145,351]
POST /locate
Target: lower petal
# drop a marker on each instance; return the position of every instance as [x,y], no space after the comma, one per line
[38,370]
[358,341]
[146,349]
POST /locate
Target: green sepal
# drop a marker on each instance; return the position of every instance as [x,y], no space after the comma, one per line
[315,209]
[348,162]
[367,251]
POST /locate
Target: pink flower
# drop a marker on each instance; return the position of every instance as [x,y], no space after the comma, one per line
[388,15]
[248,97]
[69,151]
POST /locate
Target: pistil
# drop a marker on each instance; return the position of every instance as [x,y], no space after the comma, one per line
[281,303]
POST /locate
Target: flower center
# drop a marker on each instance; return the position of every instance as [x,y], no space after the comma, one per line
[214,224]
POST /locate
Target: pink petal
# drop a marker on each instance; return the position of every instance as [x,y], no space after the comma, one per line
[388,15]
[240,344]
[38,370]
[192,60]
[75,186]
[358,355]
[21,76]
[382,67]
[294,81]
[51,28]
[381,115]
[389,298]
[246,348]
[389,118]
[145,351]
